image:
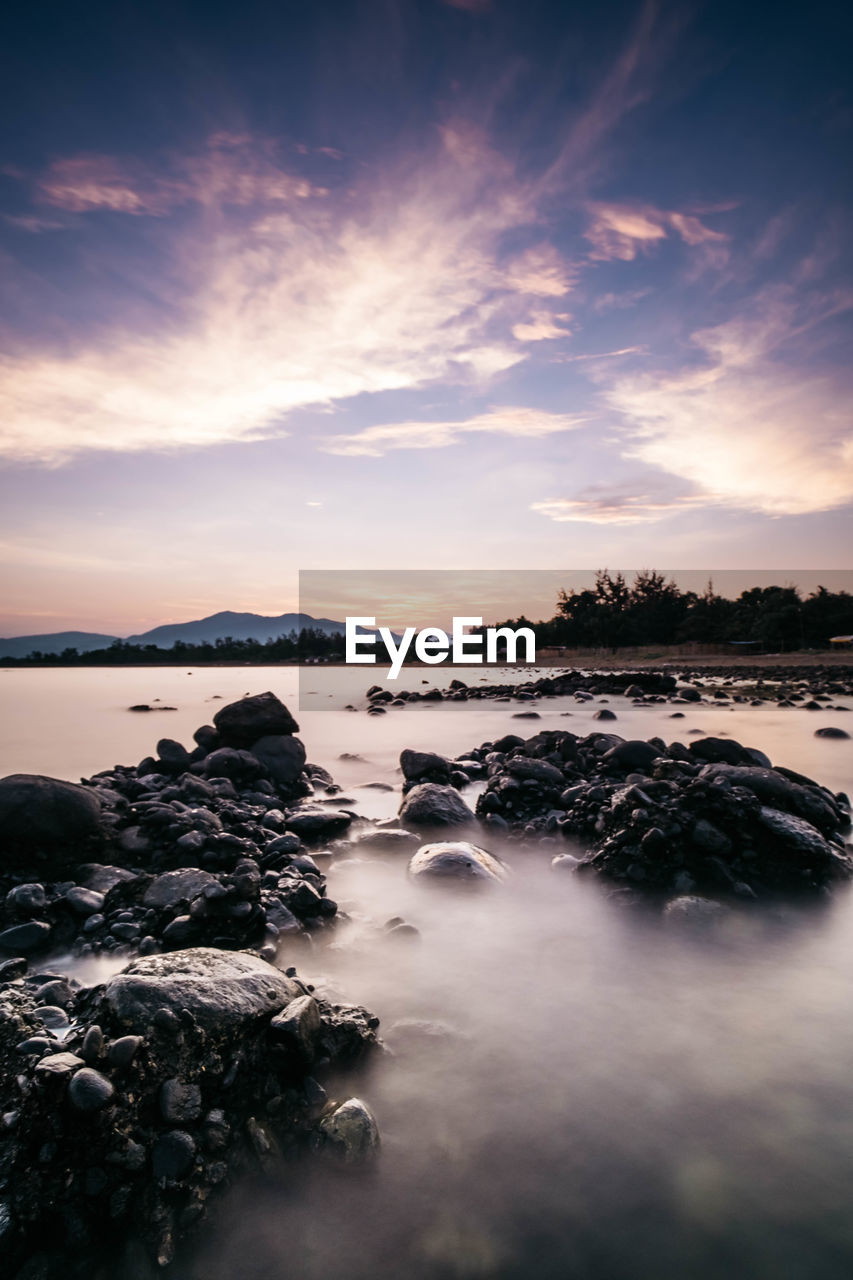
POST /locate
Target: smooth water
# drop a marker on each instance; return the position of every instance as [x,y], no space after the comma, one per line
[572,1090]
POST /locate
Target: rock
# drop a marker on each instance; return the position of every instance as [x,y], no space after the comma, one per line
[431,805]
[424,765]
[297,1026]
[282,756]
[84,902]
[174,887]
[89,1090]
[604,713]
[457,859]
[241,724]
[536,770]
[38,813]
[180,1101]
[123,1051]
[799,837]
[59,1064]
[27,900]
[23,939]
[313,823]
[564,862]
[174,756]
[388,840]
[726,751]
[831,731]
[694,910]
[173,1155]
[631,756]
[228,762]
[351,1132]
[220,989]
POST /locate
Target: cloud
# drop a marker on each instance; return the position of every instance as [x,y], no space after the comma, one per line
[231,169]
[287,301]
[604,504]
[541,325]
[619,232]
[748,425]
[521,423]
[541,271]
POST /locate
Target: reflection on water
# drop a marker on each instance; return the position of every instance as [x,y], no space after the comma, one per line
[571,1089]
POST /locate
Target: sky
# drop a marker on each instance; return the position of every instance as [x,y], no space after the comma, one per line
[416,284]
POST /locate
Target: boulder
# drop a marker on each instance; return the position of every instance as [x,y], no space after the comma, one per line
[631,756]
[282,756]
[222,990]
[456,859]
[173,887]
[431,805]
[315,823]
[47,813]
[241,724]
[419,765]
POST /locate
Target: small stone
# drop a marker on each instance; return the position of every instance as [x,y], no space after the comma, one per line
[93,1044]
[173,1155]
[84,902]
[180,1102]
[351,1132]
[123,1051]
[59,1064]
[89,1090]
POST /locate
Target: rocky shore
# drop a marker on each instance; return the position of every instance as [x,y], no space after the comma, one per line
[197,877]
[125,1106]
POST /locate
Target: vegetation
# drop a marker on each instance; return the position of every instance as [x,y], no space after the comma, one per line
[653,611]
[294,647]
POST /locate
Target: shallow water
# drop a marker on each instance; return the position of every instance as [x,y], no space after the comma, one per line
[603,1097]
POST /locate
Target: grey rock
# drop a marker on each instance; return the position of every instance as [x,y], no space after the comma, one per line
[297,1026]
[424,764]
[222,990]
[59,1064]
[432,805]
[458,860]
[84,902]
[351,1132]
[314,823]
[27,900]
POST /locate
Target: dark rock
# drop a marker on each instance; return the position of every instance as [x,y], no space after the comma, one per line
[298,1026]
[351,1133]
[173,756]
[25,938]
[180,1101]
[431,805]
[831,731]
[84,902]
[237,765]
[313,823]
[173,1155]
[419,766]
[633,755]
[47,814]
[173,887]
[282,756]
[240,724]
[27,900]
[89,1090]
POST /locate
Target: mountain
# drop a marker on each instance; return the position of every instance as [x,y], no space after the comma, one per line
[239,626]
[55,642]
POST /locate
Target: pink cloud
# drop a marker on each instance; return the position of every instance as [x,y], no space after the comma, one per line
[622,231]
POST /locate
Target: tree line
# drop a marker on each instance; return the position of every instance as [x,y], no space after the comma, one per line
[294,647]
[652,610]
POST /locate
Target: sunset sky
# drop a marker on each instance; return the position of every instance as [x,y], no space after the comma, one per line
[416,284]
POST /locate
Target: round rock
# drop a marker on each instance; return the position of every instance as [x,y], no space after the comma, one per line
[456,859]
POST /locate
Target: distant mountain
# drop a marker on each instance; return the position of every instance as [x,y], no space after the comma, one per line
[56,642]
[239,626]
[219,626]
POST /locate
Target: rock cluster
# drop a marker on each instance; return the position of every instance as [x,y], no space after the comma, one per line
[714,817]
[206,847]
[126,1106]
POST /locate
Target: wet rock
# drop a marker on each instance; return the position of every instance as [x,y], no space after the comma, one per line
[692,910]
[282,757]
[46,814]
[351,1132]
[456,859]
[180,1101]
[831,731]
[174,887]
[387,840]
[219,989]
[297,1027]
[241,724]
[84,902]
[431,805]
[239,766]
[173,1155]
[27,900]
[313,823]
